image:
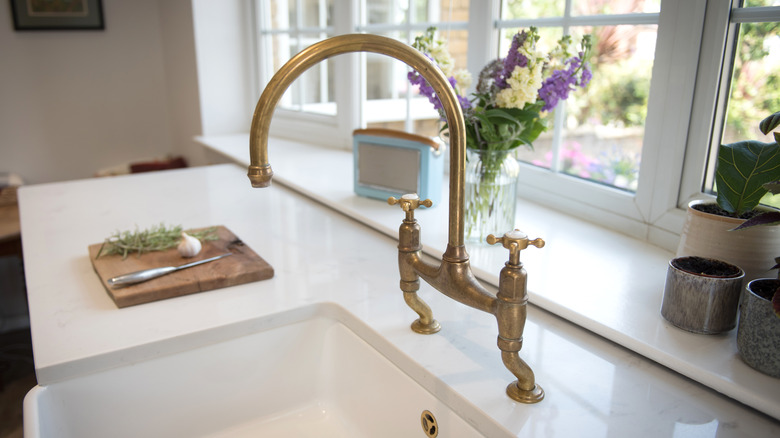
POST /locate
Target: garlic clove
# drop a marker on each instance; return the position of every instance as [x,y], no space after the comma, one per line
[189,246]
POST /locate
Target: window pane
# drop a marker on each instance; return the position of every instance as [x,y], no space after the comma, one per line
[754,89]
[392,102]
[385,12]
[397,12]
[606,7]
[316,13]
[516,9]
[602,129]
[313,13]
[313,91]
[420,13]
[387,90]
[752,3]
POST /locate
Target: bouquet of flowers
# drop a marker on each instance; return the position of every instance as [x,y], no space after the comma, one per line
[512,92]
[505,112]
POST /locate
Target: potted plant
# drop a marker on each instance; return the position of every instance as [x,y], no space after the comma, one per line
[701,295]
[744,173]
[758,334]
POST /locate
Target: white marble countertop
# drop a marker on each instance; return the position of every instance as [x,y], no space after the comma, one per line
[604,281]
[594,387]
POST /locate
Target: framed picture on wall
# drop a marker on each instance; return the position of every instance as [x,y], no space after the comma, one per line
[57,14]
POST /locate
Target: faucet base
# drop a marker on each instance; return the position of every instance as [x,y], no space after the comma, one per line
[426,329]
[535,395]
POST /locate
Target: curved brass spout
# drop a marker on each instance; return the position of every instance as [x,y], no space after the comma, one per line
[260,172]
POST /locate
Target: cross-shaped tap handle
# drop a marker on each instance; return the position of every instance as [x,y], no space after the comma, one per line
[515,241]
[409,202]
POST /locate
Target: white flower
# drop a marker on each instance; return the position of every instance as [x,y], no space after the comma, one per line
[463,78]
[524,84]
[442,57]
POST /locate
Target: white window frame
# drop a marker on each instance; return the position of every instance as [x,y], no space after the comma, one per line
[413,108]
[686,71]
[714,74]
[332,131]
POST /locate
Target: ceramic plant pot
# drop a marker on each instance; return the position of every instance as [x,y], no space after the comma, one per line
[758,334]
[707,235]
[702,295]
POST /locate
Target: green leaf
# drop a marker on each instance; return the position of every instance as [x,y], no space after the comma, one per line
[766,218]
[743,168]
[770,123]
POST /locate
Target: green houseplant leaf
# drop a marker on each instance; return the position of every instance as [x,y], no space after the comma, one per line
[765,218]
[743,168]
[768,124]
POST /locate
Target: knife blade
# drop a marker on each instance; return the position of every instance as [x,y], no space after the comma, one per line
[148,274]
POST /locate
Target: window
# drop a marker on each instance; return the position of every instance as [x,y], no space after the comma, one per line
[750,81]
[628,154]
[376,84]
[286,28]
[390,101]
[597,135]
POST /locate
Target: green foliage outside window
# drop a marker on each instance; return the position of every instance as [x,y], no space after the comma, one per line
[755,80]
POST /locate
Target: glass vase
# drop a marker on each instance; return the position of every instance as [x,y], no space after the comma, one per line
[491,193]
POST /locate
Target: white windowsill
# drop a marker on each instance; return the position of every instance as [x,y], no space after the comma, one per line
[603,281]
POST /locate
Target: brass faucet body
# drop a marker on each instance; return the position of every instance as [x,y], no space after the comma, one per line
[453,276]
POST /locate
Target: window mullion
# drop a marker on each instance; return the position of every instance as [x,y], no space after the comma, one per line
[583,20]
[755,14]
[322,22]
[680,31]
[721,100]
[559,115]
[408,122]
[712,70]
[483,36]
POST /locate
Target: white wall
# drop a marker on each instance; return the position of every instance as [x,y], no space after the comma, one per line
[225,72]
[72,102]
[181,78]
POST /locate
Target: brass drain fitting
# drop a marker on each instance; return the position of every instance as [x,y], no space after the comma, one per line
[429,425]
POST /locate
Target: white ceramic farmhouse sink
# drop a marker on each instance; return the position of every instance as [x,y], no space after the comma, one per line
[315,371]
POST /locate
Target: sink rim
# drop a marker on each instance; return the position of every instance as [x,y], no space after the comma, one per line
[445,394]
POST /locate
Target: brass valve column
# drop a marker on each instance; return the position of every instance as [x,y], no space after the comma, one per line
[409,246]
[512,300]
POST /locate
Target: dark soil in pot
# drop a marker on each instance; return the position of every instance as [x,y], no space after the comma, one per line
[713,208]
[765,288]
[706,267]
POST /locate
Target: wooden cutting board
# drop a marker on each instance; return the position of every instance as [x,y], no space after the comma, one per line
[244,266]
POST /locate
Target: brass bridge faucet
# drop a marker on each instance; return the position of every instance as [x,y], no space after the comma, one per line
[453,277]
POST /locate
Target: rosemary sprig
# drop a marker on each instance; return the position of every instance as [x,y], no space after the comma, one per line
[156,238]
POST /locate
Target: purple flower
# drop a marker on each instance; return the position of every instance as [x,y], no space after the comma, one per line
[558,85]
[586,77]
[427,91]
[555,88]
[513,59]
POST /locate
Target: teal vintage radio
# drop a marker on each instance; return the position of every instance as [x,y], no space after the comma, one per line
[393,163]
